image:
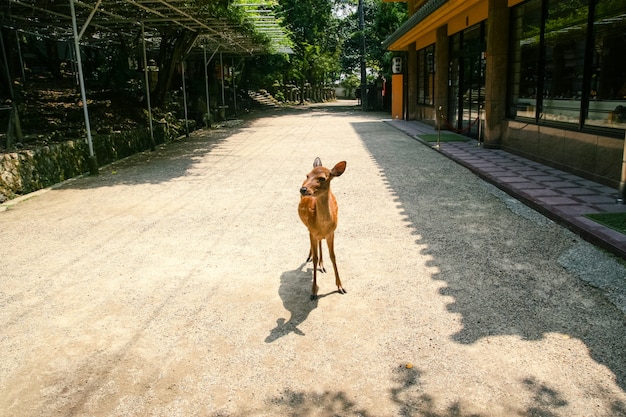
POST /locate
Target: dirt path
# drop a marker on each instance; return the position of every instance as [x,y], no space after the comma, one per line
[174,284]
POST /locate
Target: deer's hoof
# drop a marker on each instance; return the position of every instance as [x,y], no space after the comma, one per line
[313,297]
[342,291]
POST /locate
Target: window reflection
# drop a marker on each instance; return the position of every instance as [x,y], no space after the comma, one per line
[426,75]
[607,105]
[555,77]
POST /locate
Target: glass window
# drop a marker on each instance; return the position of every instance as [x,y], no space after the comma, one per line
[565,40]
[525,54]
[472,78]
[607,101]
[426,75]
[421,85]
[454,77]
[467,79]
[561,72]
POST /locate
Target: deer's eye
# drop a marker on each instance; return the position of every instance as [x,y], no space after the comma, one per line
[321,179]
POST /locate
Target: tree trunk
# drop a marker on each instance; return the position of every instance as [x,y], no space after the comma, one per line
[174,48]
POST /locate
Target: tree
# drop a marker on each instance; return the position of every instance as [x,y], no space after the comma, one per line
[176,43]
[313,27]
[381,20]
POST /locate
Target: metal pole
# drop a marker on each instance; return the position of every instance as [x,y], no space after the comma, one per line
[363,69]
[14,117]
[206,85]
[185,99]
[222,79]
[439,118]
[19,52]
[480,108]
[621,196]
[93,161]
[234,89]
[147,83]
[72,53]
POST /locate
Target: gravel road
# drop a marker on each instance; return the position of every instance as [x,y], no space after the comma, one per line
[175,284]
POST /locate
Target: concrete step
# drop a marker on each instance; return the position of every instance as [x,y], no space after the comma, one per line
[263,99]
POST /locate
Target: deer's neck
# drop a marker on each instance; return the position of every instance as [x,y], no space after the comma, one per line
[322,205]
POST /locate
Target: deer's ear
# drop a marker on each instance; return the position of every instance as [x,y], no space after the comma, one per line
[317,162]
[338,169]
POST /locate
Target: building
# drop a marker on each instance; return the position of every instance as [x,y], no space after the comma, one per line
[545,79]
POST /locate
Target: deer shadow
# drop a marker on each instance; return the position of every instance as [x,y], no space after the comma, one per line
[295,292]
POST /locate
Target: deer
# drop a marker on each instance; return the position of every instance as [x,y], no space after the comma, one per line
[318,211]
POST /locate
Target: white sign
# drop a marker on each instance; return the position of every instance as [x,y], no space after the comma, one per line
[396,65]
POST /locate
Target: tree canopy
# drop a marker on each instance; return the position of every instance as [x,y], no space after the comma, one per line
[327,41]
[381,20]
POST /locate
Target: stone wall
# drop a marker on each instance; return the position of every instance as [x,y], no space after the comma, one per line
[25,171]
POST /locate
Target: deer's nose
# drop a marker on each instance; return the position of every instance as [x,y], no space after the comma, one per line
[303,191]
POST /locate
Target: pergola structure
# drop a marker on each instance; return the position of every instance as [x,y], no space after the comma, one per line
[256,31]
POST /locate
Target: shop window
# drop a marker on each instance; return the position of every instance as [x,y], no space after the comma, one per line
[607,101]
[561,72]
[426,75]
[526,36]
[467,68]
[565,36]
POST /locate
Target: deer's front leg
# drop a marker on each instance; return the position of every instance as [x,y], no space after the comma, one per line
[321,261]
[314,256]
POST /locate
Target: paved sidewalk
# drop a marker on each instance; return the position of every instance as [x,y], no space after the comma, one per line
[559,195]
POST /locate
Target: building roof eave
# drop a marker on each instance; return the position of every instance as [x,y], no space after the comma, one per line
[391,43]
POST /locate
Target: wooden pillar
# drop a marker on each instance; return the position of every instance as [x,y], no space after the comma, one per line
[397,96]
[496,72]
[411,81]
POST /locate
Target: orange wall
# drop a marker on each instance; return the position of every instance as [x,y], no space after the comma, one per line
[397,91]
[468,18]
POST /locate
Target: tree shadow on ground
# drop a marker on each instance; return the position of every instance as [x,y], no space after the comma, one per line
[175,159]
[406,392]
[167,162]
[502,273]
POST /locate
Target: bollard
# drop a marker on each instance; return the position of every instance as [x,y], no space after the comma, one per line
[621,196]
[439,119]
[480,124]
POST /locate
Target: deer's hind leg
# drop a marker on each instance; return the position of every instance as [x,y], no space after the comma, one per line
[320,263]
[330,240]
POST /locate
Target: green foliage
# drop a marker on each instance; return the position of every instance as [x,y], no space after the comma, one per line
[381,20]
[262,71]
[350,83]
[313,30]
[310,22]
[280,96]
[566,18]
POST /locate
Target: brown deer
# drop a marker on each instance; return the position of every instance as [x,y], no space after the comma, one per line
[318,212]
